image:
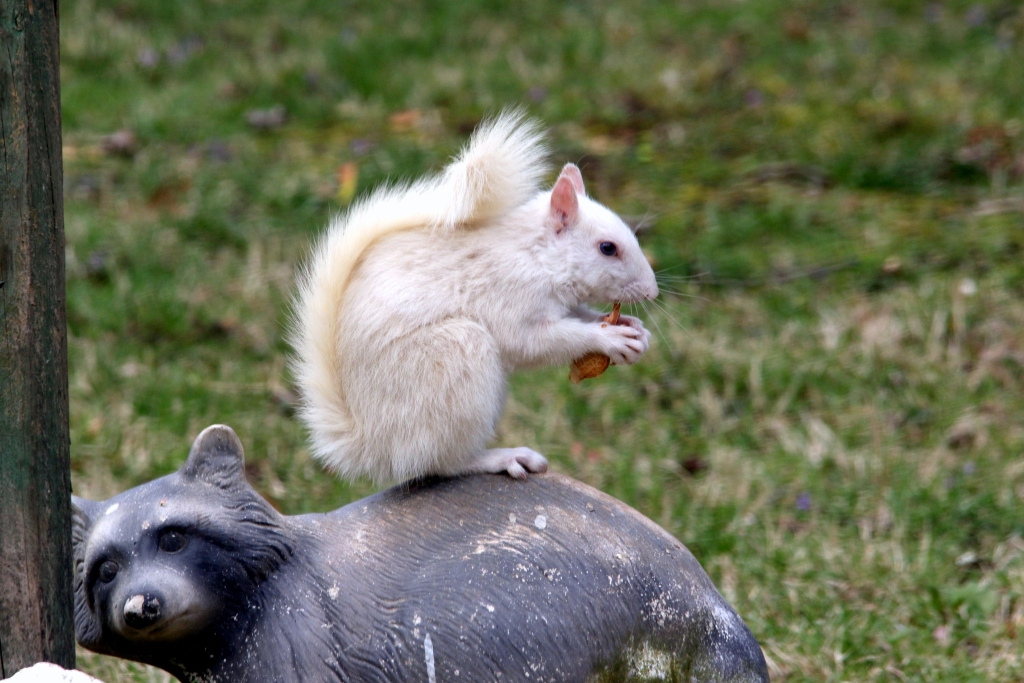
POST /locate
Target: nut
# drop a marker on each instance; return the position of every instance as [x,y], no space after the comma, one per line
[594,363]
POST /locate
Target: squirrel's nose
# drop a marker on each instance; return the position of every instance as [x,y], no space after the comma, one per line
[141,610]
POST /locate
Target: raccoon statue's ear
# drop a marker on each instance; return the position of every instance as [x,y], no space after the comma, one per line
[83,513]
[216,458]
[83,510]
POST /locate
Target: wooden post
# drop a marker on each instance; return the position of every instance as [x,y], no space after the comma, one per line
[36,602]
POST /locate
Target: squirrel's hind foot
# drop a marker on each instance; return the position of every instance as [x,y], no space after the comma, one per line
[515,461]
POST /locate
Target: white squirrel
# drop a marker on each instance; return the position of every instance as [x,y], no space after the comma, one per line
[420,301]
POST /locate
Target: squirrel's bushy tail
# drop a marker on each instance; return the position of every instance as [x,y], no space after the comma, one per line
[499,170]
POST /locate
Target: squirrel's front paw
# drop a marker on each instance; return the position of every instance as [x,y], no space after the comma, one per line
[626,342]
[636,324]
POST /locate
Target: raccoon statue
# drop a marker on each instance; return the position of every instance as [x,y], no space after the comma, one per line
[479,578]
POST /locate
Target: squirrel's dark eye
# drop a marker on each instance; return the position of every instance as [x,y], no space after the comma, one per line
[172,541]
[608,248]
[107,572]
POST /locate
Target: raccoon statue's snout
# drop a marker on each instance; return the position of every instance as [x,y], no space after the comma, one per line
[142,611]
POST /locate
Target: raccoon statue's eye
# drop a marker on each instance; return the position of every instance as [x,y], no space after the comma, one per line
[108,570]
[172,541]
[609,248]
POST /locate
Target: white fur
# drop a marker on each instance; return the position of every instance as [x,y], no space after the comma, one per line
[421,299]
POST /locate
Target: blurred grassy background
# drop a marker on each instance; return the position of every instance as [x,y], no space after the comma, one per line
[831,414]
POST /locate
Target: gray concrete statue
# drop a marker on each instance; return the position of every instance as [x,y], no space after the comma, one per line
[476,579]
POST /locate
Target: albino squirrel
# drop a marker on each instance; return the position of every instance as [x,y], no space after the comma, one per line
[418,303]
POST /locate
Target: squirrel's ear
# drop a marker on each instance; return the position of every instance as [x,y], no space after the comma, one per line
[565,207]
[572,172]
[216,458]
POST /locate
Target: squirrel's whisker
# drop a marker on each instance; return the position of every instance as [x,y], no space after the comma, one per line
[687,295]
[660,305]
[654,319]
[681,265]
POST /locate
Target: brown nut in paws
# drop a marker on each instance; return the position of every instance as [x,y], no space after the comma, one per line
[594,363]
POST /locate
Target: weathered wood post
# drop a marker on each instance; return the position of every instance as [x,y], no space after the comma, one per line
[36,609]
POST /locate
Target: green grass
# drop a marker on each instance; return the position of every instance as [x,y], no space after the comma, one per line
[833,189]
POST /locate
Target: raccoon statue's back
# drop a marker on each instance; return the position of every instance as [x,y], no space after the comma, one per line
[480,578]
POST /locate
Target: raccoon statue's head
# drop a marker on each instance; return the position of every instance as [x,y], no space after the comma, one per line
[179,559]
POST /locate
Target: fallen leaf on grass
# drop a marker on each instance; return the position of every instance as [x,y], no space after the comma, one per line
[405,121]
[348,180]
[267,119]
[122,143]
[695,465]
